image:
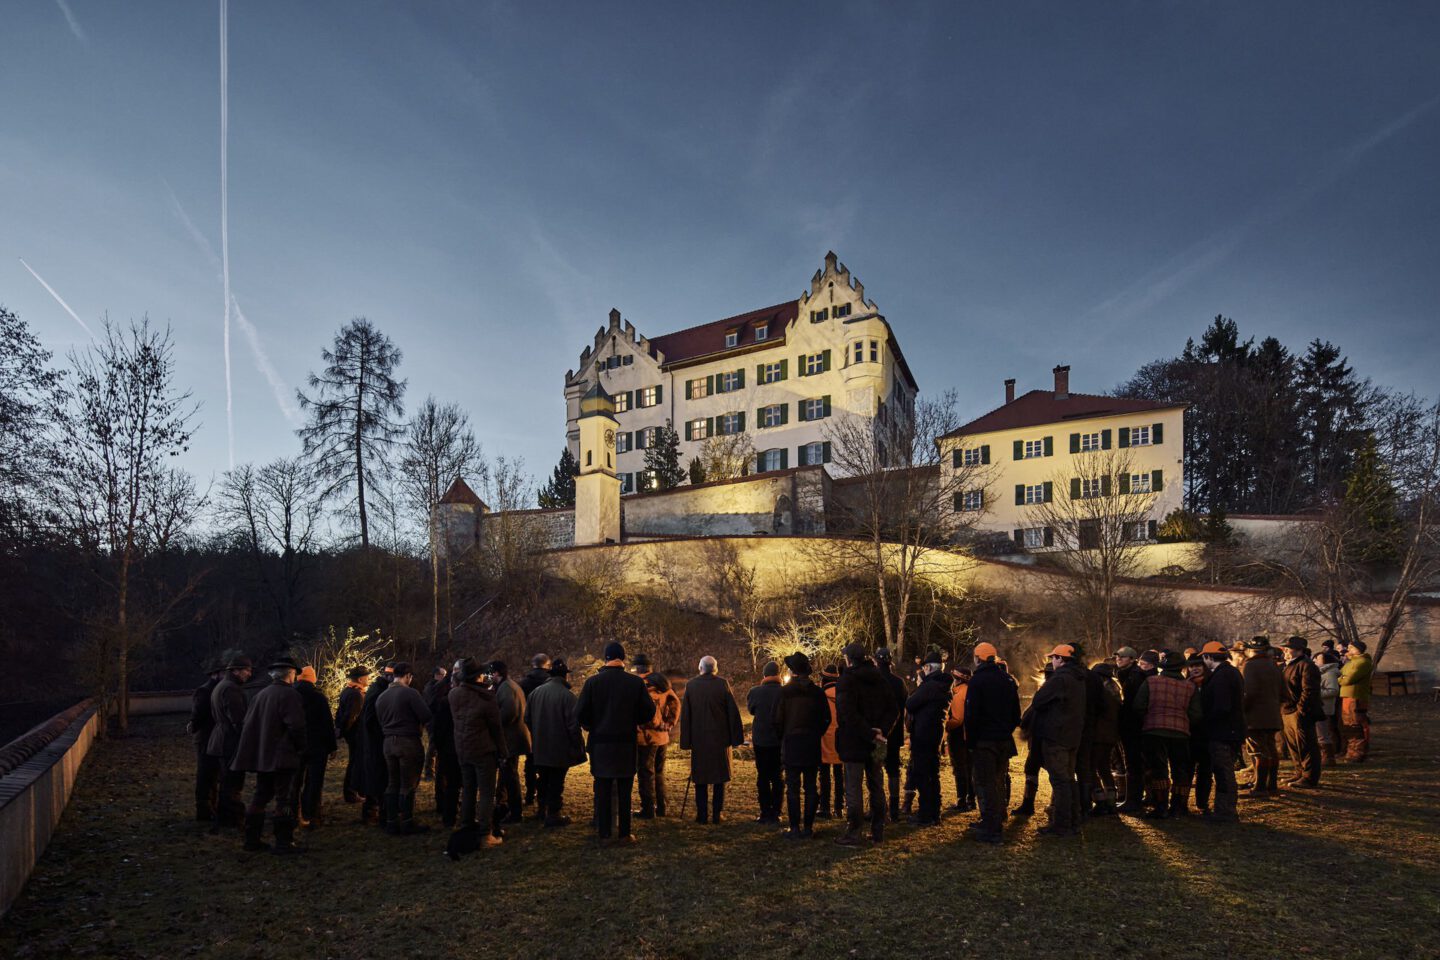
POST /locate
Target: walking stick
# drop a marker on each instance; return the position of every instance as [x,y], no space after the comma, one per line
[686,798]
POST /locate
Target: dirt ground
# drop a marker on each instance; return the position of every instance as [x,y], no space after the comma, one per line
[1351,870]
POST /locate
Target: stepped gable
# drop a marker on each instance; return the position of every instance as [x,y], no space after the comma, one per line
[1042,407]
[709,338]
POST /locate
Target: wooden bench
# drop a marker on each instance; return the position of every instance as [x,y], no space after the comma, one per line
[1401,677]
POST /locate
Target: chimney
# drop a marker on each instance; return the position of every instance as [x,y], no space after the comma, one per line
[1062,383]
[1010,390]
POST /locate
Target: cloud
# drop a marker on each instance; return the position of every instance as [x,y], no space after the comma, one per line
[75,27]
[58,299]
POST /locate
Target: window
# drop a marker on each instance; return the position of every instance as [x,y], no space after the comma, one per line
[622,401]
[814,453]
[843,310]
[773,415]
[645,480]
[1033,449]
[1089,441]
[611,363]
[729,382]
[645,439]
[732,338]
[648,397]
[971,457]
[772,372]
[1139,530]
[622,443]
[874,351]
[1035,493]
[1033,538]
[859,351]
[969,500]
[771,460]
[813,363]
[762,332]
[729,423]
[815,408]
[627,483]
[1139,437]
[1139,483]
[695,389]
[697,429]
[626,360]
[818,316]
[1091,487]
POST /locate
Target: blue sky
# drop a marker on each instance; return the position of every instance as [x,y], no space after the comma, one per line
[1018,185]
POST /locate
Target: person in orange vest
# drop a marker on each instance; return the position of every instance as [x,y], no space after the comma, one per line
[652,740]
[832,771]
[955,742]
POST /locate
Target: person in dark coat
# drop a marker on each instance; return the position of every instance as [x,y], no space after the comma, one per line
[765,740]
[1059,722]
[537,676]
[1222,708]
[348,728]
[864,709]
[1105,739]
[1171,708]
[402,714]
[511,699]
[447,761]
[556,743]
[710,727]
[272,743]
[373,750]
[1032,766]
[1300,710]
[227,710]
[309,785]
[613,705]
[437,685]
[1086,760]
[207,770]
[832,771]
[802,715]
[926,710]
[479,748]
[895,736]
[1264,689]
[992,712]
[1131,672]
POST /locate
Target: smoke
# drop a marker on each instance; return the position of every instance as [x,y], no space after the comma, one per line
[58,299]
[75,27]
[225,211]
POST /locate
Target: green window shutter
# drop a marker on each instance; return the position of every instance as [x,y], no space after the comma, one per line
[759,417]
[629,399]
[825,452]
[1124,437]
[740,379]
[1019,449]
[784,367]
[1074,443]
[1152,529]
[1124,483]
[1105,485]
[825,360]
[1019,538]
[985,453]
[1157,481]
[659,394]
[1019,494]
[709,426]
[709,384]
[1049,446]
[1049,492]
[784,414]
[1049,536]
[800,456]
[1157,433]
[1104,439]
[784,459]
[742,421]
[800,365]
[689,430]
[825,406]
[1074,488]
[759,373]
[955,459]
[958,505]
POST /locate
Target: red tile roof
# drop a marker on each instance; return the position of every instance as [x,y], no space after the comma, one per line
[460,492]
[1040,407]
[710,337]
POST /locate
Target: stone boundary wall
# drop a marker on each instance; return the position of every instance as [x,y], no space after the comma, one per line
[34,791]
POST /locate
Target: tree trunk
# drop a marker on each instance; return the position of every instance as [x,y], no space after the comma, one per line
[434,586]
[123,668]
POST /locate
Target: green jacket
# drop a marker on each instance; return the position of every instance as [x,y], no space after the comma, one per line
[1355,678]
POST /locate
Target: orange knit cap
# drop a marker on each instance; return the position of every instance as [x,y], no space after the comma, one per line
[307,674]
[1063,650]
[985,651]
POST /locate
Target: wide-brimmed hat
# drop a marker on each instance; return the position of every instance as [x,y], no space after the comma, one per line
[831,672]
[283,663]
[798,664]
[1297,644]
[241,662]
[1106,670]
[356,673]
[1171,660]
[854,651]
[469,668]
[1260,642]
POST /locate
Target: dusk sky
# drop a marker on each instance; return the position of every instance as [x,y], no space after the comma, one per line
[1017,185]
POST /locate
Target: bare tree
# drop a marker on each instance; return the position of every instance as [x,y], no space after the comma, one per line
[275,511]
[124,504]
[899,503]
[513,537]
[1098,518]
[439,448]
[727,456]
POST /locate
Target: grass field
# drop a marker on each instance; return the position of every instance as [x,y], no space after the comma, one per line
[1350,871]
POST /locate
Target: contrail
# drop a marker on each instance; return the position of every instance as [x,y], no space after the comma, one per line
[75,27]
[58,299]
[283,394]
[225,210]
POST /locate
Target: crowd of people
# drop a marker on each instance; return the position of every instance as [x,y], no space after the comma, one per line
[1159,734]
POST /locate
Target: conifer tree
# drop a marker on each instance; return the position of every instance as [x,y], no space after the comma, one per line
[663,459]
[559,490]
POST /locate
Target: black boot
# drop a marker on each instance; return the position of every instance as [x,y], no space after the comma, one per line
[894,800]
[285,836]
[254,825]
[1027,802]
[407,816]
[390,814]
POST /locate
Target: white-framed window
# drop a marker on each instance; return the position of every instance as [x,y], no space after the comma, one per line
[622,442]
[772,372]
[772,416]
[627,483]
[971,457]
[1138,530]
[645,439]
[819,316]
[698,429]
[841,310]
[1140,436]
[732,338]
[697,388]
[622,401]
[762,332]
[1091,487]
[814,363]
[1140,482]
[1035,493]
[812,453]
[812,408]
[1034,448]
[727,382]
[729,423]
[874,351]
[771,460]
[1089,442]
[1033,537]
[647,397]
[970,500]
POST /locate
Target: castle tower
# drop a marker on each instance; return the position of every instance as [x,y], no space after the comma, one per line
[597,488]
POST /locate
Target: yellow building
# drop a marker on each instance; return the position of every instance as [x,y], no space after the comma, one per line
[1045,445]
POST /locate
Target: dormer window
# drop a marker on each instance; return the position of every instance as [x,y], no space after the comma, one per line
[732,338]
[762,332]
[841,310]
